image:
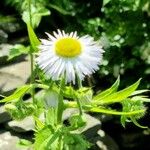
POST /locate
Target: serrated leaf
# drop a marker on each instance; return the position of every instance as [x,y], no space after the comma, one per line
[109,91]
[53,138]
[33,38]
[113,112]
[17,94]
[75,142]
[118,96]
[44,139]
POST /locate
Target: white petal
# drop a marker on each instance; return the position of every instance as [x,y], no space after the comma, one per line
[51,37]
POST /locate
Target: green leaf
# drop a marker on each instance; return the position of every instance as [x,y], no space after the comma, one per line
[74,141]
[43,86]
[105,2]
[118,96]
[37,12]
[136,123]
[60,10]
[33,38]
[24,143]
[139,92]
[39,123]
[17,94]
[113,112]
[46,139]
[17,50]
[53,138]
[109,91]
[141,98]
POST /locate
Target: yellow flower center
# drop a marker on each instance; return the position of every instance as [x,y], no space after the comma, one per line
[68,47]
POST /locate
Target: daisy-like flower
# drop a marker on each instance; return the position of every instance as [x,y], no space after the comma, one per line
[69,55]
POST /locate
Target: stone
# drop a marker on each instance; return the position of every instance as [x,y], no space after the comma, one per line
[14,75]
[3,36]
[24,125]
[92,125]
[4,51]
[69,112]
[9,141]
[4,116]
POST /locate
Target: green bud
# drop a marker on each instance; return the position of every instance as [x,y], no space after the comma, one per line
[10,107]
[51,99]
[77,121]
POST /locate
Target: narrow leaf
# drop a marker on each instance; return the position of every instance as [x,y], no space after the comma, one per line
[139,92]
[109,91]
[137,124]
[17,94]
[120,95]
[33,38]
[141,98]
[113,112]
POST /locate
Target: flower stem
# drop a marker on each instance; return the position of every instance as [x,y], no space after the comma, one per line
[32,80]
[29,7]
[80,106]
[77,98]
[60,102]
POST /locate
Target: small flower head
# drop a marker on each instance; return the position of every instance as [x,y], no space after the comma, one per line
[69,55]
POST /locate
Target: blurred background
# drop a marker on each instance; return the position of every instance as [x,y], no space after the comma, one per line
[122,27]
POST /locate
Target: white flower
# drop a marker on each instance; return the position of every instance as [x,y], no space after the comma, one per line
[69,55]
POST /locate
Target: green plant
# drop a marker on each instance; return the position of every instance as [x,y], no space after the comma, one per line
[52,133]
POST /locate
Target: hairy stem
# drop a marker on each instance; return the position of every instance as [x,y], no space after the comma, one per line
[32,80]
[77,98]
[60,102]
